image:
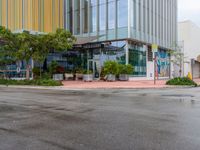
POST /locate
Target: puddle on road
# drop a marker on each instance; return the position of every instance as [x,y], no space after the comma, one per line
[7,108]
[178,95]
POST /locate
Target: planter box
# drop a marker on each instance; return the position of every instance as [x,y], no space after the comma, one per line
[123,77]
[58,77]
[79,76]
[69,76]
[88,77]
[111,77]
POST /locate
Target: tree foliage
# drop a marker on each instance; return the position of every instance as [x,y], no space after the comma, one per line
[7,46]
[24,46]
[177,57]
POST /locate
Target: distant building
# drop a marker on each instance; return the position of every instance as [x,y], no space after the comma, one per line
[189,39]
[121,30]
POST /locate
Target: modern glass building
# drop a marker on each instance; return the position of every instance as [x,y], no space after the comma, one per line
[121,30]
[131,26]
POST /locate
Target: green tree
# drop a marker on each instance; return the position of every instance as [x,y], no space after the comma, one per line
[177,57]
[25,46]
[59,41]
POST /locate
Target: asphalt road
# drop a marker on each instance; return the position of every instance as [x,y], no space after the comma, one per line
[167,119]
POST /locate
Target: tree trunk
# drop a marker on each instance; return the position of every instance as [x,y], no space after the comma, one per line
[27,72]
[40,71]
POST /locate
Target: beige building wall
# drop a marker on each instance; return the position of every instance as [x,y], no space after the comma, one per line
[36,15]
[189,39]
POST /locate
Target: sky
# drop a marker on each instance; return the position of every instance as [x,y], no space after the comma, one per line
[189,10]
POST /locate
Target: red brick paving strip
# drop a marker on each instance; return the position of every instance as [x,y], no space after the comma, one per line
[117,84]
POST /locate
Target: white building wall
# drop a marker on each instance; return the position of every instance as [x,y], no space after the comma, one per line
[189,35]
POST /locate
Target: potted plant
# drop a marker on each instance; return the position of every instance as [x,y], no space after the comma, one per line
[69,75]
[79,74]
[124,71]
[56,71]
[110,70]
[59,73]
[88,76]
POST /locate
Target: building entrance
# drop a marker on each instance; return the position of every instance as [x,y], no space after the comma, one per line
[94,66]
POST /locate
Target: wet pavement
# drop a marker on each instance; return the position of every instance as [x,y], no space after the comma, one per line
[165,119]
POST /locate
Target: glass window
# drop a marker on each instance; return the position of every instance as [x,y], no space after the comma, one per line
[114,51]
[85,15]
[122,13]
[69,16]
[137,58]
[111,14]
[102,15]
[77,16]
[93,16]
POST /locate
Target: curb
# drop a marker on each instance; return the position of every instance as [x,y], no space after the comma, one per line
[101,88]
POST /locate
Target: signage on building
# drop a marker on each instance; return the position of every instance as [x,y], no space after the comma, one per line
[154,48]
[93,45]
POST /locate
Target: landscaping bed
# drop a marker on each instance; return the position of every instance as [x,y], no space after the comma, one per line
[182,82]
[38,82]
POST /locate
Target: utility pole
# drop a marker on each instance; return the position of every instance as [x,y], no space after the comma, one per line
[154,48]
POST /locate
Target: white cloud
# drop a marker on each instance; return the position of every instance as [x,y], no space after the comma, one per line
[189,10]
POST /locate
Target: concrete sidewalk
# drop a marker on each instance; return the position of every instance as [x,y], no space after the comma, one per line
[117,84]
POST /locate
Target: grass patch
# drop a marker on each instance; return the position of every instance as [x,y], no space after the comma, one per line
[38,82]
[181,82]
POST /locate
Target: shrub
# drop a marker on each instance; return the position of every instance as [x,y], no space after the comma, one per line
[46,75]
[181,81]
[79,70]
[110,67]
[125,69]
[87,72]
[36,72]
[52,67]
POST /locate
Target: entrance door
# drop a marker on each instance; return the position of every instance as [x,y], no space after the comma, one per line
[196,70]
[94,66]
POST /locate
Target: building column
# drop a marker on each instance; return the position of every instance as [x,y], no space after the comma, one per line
[129,18]
[116,18]
[106,19]
[73,16]
[97,21]
[127,52]
[81,17]
[89,17]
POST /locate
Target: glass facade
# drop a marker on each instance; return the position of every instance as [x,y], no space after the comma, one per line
[107,19]
[73,60]
[142,20]
[138,58]
[121,22]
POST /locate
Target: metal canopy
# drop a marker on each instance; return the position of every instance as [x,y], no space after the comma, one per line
[85,40]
